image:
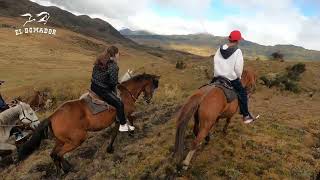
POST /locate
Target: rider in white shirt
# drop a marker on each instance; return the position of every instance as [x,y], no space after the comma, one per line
[228,63]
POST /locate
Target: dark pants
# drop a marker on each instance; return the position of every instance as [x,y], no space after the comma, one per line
[243,96]
[110,97]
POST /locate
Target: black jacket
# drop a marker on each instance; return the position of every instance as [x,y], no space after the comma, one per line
[106,77]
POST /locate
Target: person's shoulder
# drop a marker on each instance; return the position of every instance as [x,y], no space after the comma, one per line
[112,64]
[239,51]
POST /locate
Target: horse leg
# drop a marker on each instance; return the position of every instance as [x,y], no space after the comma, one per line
[131,119]
[207,139]
[196,124]
[54,156]
[200,137]
[113,137]
[226,126]
[67,147]
[75,140]
[204,131]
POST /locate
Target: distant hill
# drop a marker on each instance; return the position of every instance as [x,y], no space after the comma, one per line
[129,32]
[83,24]
[206,44]
[93,27]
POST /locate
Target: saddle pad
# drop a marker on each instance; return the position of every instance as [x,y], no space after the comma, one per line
[95,105]
[230,94]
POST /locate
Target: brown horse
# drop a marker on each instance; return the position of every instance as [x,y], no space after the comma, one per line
[71,122]
[208,104]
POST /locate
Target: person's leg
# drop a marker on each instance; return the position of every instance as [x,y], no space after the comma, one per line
[243,97]
[111,99]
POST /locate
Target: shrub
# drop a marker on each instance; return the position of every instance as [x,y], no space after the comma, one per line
[181,65]
[277,56]
[285,81]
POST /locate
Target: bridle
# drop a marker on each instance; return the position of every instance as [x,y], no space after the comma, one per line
[131,95]
[25,117]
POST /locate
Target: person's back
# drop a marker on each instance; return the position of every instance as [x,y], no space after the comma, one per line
[228,62]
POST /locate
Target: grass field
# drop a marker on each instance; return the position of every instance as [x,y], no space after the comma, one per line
[283,144]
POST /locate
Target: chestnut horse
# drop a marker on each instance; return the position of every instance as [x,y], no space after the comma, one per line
[208,104]
[71,122]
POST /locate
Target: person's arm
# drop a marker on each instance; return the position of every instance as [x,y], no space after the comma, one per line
[113,71]
[239,64]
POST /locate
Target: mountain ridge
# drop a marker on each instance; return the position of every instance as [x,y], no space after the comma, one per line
[208,41]
[84,24]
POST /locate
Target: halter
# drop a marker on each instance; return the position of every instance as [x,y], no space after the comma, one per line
[25,117]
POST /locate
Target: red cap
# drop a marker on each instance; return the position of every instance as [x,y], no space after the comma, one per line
[235,36]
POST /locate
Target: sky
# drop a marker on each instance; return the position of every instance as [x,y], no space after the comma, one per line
[267,22]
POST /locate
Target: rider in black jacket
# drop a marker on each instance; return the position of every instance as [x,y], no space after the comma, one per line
[104,82]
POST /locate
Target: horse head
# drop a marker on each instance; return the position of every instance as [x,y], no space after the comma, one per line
[145,83]
[151,87]
[27,115]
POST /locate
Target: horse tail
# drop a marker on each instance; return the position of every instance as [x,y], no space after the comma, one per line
[186,112]
[34,142]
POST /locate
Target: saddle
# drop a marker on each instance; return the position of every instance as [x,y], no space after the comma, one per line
[226,86]
[94,102]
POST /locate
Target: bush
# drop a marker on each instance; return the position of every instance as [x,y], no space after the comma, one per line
[285,81]
[295,71]
[277,56]
[181,65]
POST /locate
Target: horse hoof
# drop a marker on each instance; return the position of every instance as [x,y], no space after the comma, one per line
[110,150]
[131,133]
[185,167]
[66,166]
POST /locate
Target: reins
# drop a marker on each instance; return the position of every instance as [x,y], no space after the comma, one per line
[131,95]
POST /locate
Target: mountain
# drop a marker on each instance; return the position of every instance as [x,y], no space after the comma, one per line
[83,24]
[206,45]
[129,32]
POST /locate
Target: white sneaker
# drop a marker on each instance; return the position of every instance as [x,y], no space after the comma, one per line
[248,119]
[126,127]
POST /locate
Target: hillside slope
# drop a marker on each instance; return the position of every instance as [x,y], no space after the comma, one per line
[206,44]
[60,18]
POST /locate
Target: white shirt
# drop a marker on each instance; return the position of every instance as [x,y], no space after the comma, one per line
[230,68]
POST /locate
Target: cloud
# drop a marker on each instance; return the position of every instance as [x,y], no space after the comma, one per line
[265,22]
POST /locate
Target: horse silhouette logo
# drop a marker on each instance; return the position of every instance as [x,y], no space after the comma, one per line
[42,17]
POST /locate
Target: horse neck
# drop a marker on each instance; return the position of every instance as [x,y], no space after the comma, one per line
[10,116]
[135,88]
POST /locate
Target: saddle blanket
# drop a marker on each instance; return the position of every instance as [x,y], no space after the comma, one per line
[226,87]
[231,95]
[95,104]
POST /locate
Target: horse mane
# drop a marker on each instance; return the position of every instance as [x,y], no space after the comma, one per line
[141,77]
[248,76]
